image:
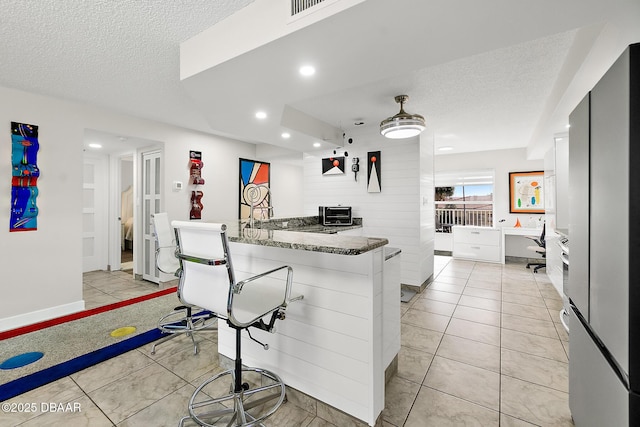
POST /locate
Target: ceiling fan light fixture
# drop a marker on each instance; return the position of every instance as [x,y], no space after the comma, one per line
[403,124]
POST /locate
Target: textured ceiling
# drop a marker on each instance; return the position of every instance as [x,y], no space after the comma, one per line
[501,74]
[120,54]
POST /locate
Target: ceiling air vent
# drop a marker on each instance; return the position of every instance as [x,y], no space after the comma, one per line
[298,6]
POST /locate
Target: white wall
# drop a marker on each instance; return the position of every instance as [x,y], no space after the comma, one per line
[126,175]
[502,162]
[287,187]
[286,179]
[42,270]
[395,212]
[427,206]
[220,172]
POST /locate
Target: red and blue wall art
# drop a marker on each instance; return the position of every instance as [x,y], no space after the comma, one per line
[24,179]
[255,178]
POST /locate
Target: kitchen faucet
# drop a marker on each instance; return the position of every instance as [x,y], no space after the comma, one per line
[254,197]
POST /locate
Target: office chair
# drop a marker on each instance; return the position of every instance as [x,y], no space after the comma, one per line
[207,279]
[181,320]
[539,249]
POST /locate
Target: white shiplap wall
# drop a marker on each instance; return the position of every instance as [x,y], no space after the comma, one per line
[397,212]
[331,344]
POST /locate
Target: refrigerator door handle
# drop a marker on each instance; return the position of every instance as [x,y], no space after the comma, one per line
[563,314]
[621,374]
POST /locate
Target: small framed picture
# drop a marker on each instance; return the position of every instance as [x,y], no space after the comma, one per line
[526,192]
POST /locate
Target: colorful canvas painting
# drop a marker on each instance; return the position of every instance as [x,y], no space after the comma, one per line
[24,179]
[526,192]
[332,165]
[255,178]
[373,172]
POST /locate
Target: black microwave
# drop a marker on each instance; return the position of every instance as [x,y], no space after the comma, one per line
[335,215]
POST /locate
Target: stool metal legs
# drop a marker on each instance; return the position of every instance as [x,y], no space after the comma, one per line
[181,321]
[249,398]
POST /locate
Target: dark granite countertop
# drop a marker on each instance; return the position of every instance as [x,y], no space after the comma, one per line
[303,235]
[310,224]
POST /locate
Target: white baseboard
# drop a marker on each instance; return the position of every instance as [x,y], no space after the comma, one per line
[37,316]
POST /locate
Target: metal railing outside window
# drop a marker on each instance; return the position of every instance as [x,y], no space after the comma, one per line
[448,217]
[465,201]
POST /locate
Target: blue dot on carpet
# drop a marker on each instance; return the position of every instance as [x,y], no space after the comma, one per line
[21,360]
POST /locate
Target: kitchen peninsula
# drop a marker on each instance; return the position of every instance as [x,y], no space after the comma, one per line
[336,344]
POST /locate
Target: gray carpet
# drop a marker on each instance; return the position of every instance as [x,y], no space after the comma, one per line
[72,339]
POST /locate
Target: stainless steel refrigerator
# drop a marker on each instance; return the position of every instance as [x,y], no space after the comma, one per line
[604,231]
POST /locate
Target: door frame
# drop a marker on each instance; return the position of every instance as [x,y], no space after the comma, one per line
[100,222]
[138,250]
[115,206]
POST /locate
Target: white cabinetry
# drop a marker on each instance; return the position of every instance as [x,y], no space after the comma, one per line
[476,243]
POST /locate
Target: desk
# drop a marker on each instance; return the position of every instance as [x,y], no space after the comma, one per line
[476,243]
[516,231]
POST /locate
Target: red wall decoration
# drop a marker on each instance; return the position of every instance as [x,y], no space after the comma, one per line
[195,170]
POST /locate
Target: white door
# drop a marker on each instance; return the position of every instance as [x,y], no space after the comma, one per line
[94,220]
[151,186]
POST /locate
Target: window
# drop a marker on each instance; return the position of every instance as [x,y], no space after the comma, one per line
[464,198]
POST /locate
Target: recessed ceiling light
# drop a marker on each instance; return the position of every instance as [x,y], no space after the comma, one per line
[307,70]
[94,145]
[316,144]
[261,115]
[286,135]
[447,148]
[568,126]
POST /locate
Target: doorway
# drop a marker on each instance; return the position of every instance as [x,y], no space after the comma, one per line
[113,218]
[126,214]
[94,212]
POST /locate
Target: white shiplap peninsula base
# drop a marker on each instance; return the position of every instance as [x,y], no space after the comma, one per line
[336,343]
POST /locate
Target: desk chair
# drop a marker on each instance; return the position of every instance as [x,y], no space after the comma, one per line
[181,320]
[539,249]
[207,279]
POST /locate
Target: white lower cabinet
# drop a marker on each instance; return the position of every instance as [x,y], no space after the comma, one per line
[476,243]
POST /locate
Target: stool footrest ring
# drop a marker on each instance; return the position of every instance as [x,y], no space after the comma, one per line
[239,409]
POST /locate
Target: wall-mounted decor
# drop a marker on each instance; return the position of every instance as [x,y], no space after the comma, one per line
[195,172]
[24,179]
[526,192]
[255,179]
[373,172]
[195,166]
[332,165]
[196,205]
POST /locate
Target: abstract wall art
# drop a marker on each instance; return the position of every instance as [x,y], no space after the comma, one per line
[195,175]
[24,179]
[526,192]
[373,172]
[255,180]
[333,165]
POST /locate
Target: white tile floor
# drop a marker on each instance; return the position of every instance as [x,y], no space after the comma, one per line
[481,346]
[100,288]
